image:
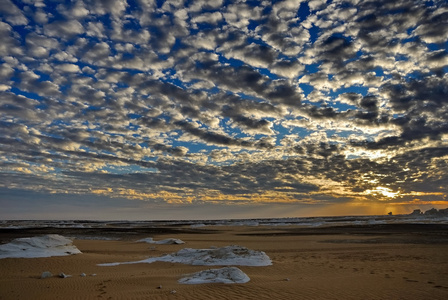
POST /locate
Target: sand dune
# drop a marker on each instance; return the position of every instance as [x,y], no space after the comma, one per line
[332,264]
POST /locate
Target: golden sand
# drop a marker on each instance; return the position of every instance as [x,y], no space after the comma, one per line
[305,266]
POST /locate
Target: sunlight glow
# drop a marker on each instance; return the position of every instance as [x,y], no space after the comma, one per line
[381,190]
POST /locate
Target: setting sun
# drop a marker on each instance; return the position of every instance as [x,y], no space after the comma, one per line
[381,190]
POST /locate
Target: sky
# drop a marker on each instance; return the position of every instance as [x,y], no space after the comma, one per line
[140,109]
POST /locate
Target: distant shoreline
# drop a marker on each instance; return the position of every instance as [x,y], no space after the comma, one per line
[429,232]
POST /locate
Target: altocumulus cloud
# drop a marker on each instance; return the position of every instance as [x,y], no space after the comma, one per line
[232,102]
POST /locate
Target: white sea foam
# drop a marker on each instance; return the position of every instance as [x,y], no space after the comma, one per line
[223,275]
[95,238]
[313,222]
[226,256]
[169,241]
[198,225]
[39,246]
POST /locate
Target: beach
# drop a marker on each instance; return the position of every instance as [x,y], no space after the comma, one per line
[379,261]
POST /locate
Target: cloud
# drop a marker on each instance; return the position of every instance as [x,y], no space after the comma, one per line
[115,7]
[212,18]
[69,68]
[30,81]
[6,71]
[77,10]
[12,14]
[206,5]
[9,45]
[239,15]
[209,101]
[65,29]
[211,137]
[41,17]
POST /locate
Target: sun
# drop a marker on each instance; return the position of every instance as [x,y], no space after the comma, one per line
[381,190]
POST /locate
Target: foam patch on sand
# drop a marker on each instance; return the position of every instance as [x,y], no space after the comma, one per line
[169,241]
[225,256]
[39,246]
[223,275]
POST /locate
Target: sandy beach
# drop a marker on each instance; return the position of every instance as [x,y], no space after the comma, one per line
[347,262]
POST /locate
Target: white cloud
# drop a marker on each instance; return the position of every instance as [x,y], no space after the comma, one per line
[115,7]
[97,54]
[41,16]
[200,5]
[4,87]
[288,69]
[76,10]
[316,4]
[63,29]
[65,57]
[6,71]
[212,18]
[9,45]
[41,40]
[38,52]
[286,9]
[12,14]
[238,15]
[68,68]
[96,29]
[254,54]
[140,37]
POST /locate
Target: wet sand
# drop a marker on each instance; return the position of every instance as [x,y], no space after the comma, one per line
[400,261]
